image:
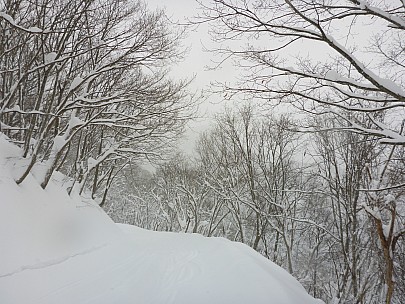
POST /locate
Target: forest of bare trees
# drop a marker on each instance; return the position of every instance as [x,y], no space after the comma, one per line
[309,202]
[85,87]
[317,187]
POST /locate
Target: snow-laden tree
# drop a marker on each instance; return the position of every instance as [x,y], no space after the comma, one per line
[361,183]
[238,186]
[175,198]
[251,165]
[384,202]
[87,81]
[340,160]
[321,56]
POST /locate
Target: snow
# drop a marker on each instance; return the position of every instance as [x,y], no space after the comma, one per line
[91,163]
[332,75]
[7,17]
[74,122]
[50,57]
[33,29]
[75,83]
[386,83]
[389,198]
[374,212]
[388,16]
[59,142]
[60,249]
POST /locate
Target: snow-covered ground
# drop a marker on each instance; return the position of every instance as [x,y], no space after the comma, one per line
[57,249]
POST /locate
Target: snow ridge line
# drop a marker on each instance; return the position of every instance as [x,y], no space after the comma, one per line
[53,262]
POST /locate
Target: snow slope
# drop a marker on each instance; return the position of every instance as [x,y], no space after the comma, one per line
[58,249]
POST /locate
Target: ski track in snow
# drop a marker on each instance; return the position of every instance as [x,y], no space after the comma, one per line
[52,262]
[178,268]
[182,268]
[131,260]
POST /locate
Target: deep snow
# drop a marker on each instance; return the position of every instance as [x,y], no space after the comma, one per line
[60,249]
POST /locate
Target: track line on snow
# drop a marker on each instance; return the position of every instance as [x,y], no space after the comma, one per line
[50,263]
[128,260]
[180,269]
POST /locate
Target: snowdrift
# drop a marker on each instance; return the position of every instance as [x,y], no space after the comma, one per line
[58,249]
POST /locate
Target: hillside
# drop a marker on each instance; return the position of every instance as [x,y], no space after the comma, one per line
[61,249]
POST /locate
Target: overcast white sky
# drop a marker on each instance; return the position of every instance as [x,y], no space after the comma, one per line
[196,59]
[194,64]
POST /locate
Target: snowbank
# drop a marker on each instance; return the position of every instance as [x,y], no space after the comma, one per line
[56,249]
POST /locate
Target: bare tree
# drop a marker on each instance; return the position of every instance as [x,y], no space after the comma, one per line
[317,56]
[250,164]
[94,70]
[341,158]
[362,182]
[384,203]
